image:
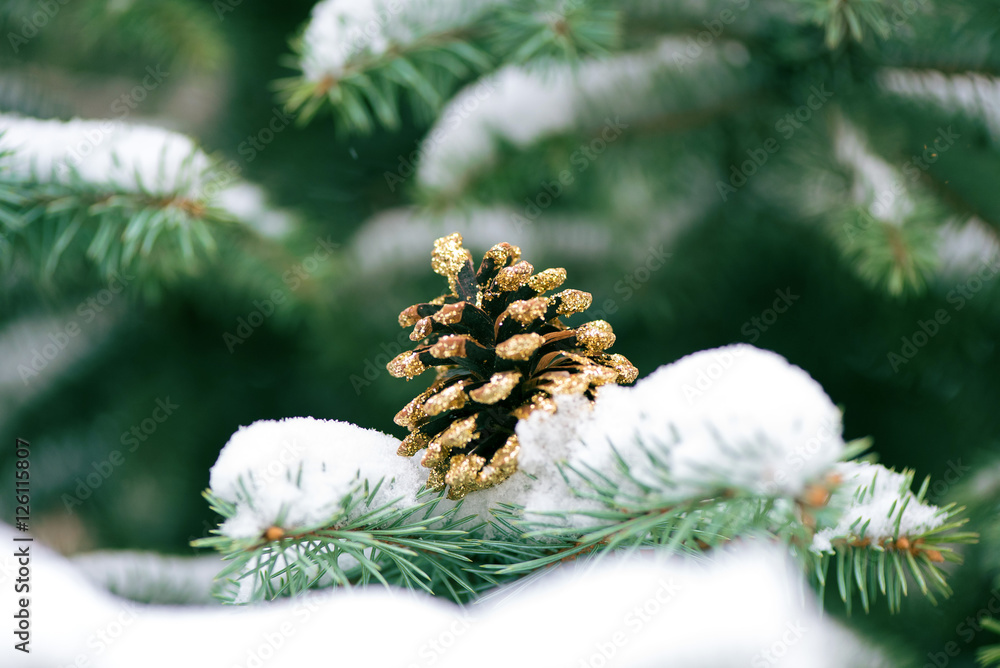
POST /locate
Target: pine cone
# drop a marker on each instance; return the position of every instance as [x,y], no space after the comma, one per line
[500,353]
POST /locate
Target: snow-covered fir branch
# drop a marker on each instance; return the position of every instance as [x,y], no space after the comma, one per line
[298,472]
[520,106]
[877,506]
[117,192]
[978,95]
[343,34]
[723,444]
[106,155]
[745,607]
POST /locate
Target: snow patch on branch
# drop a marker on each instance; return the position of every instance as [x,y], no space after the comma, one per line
[735,417]
[342,32]
[104,154]
[976,94]
[876,503]
[296,472]
[522,106]
[878,186]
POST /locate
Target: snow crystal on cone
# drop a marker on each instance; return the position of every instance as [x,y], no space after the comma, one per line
[297,472]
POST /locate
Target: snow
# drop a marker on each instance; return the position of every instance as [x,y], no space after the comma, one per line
[876,181]
[248,203]
[744,607]
[522,106]
[297,472]
[342,31]
[975,94]
[150,577]
[735,417]
[104,154]
[967,247]
[874,494]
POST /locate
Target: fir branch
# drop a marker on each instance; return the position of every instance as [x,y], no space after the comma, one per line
[990,655]
[412,547]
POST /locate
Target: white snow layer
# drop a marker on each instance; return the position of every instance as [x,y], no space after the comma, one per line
[296,472]
[121,156]
[248,202]
[735,417]
[976,94]
[873,494]
[341,31]
[743,608]
[522,106]
[732,417]
[966,248]
[151,577]
[878,186]
[129,158]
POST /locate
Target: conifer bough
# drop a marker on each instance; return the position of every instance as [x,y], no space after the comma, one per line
[500,353]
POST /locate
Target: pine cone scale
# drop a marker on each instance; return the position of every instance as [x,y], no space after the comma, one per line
[500,352]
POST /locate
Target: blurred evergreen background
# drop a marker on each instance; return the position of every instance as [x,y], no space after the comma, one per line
[654,190]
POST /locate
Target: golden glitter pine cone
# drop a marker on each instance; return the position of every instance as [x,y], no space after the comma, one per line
[500,353]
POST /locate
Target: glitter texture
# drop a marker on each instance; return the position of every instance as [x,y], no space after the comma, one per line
[449,257]
[498,388]
[550,279]
[421,329]
[520,347]
[627,373]
[406,365]
[449,346]
[511,278]
[573,301]
[500,354]
[414,442]
[526,310]
[595,336]
[450,398]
